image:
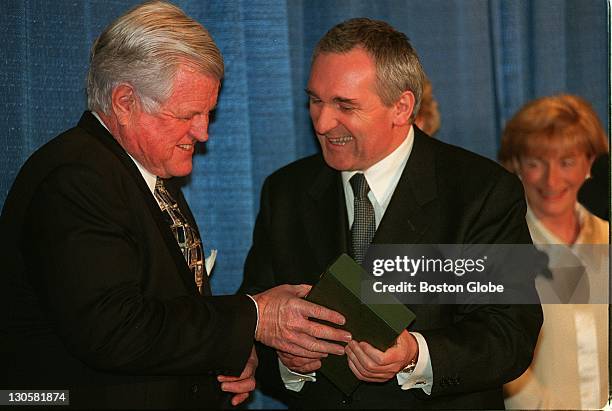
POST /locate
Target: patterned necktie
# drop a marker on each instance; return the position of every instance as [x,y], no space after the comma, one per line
[364,224]
[186,236]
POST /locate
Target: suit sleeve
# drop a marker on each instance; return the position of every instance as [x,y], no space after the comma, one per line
[258,277]
[258,270]
[488,345]
[90,269]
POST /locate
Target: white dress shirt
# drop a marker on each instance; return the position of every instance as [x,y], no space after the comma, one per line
[382,179]
[150,179]
[570,366]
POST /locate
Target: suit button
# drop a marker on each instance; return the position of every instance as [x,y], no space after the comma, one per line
[195,388]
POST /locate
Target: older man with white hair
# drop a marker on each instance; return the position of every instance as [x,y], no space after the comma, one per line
[104,270]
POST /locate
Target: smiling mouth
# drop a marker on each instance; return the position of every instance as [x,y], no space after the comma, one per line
[339,141]
[552,195]
[186,147]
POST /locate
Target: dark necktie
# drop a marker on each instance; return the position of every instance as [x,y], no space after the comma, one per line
[186,235]
[364,224]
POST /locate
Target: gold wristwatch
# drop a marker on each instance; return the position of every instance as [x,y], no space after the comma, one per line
[410,367]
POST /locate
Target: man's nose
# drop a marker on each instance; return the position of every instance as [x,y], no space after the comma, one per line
[323,119]
[199,127]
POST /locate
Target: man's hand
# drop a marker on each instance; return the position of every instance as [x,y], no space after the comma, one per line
[242,385]
[370,364]
[299,364]
[284,323]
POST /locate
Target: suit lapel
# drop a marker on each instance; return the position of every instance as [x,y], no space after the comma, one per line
[325,218]
[89,123]
[406,219]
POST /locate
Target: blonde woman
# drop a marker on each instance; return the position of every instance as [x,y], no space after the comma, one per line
[551,143]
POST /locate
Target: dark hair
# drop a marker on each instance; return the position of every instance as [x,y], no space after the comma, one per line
[398,68]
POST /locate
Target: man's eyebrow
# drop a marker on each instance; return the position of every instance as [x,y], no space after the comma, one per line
[342,100]
[310,92]
[191,113]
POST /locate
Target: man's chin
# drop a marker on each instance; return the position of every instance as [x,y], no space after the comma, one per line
[181,171]
[338,163]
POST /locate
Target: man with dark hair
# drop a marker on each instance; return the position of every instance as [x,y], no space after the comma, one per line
[105,285]
[364,89]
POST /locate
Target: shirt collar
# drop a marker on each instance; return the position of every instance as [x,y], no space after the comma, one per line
[383,176]
[149,178]
[541,234]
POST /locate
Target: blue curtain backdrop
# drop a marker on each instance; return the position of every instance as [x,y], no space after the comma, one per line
[485,59]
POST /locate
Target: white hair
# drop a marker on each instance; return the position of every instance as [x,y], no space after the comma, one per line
[144,48]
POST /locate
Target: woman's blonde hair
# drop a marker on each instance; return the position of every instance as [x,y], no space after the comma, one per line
[562,122]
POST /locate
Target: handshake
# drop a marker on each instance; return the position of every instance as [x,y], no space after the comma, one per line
[285,324]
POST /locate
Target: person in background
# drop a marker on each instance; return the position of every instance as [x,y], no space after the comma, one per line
[428,117]
[105,289]
[550,143]
[595,192]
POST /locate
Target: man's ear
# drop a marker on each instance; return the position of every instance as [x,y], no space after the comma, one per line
[404,108]
[124,103]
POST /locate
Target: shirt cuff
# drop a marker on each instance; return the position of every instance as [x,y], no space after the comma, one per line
[294,381]
[257,311]
[422,376]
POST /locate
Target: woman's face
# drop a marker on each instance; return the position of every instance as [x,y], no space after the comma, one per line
[552,180]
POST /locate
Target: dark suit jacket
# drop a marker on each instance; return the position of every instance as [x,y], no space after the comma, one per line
[445,195]
[97,296]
